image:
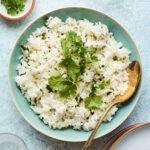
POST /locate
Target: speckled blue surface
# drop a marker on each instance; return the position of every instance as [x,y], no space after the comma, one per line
[133,15]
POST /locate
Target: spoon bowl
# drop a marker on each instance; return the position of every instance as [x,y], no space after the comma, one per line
[134,76]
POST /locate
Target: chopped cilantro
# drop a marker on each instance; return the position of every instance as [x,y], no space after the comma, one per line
[108,93]
[75,28]
[48,88]
[115,58]
[24,47]
[108,81]
[13,6]
[102,85]
[43,36]
[124,57]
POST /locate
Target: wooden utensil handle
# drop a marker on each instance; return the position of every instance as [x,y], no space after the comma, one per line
[88,142]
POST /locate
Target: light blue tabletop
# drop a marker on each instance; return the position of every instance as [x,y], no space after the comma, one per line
[134,15]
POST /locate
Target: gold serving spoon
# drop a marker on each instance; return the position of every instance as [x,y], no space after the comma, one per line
[134,76]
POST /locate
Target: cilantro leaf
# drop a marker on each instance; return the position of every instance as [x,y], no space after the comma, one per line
[73,70]
[89,60]
[88,55]
[92,50]
[93,101]
[73,38]
[56,81]
[68,90]
[62,85]
[71,44]
[64,46]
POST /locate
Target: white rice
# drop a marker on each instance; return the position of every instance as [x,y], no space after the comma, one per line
[44,55]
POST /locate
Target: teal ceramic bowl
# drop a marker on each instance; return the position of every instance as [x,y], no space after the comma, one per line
[22,104]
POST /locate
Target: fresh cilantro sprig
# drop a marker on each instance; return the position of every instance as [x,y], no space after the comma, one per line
[73,48]
[93,101]
[72,44]
[13,6]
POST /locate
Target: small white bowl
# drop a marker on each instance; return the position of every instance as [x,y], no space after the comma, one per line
[29,5]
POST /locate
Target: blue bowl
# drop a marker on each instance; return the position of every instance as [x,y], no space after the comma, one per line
[120,34]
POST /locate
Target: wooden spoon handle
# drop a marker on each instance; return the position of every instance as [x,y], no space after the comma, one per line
[89,141]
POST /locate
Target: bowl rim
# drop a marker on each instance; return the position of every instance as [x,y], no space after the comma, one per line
[21,17]
[55,137]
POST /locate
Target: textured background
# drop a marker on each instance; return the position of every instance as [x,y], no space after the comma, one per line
[134,15]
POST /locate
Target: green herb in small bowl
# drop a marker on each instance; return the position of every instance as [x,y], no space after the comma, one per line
[16,9]
[13,6]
